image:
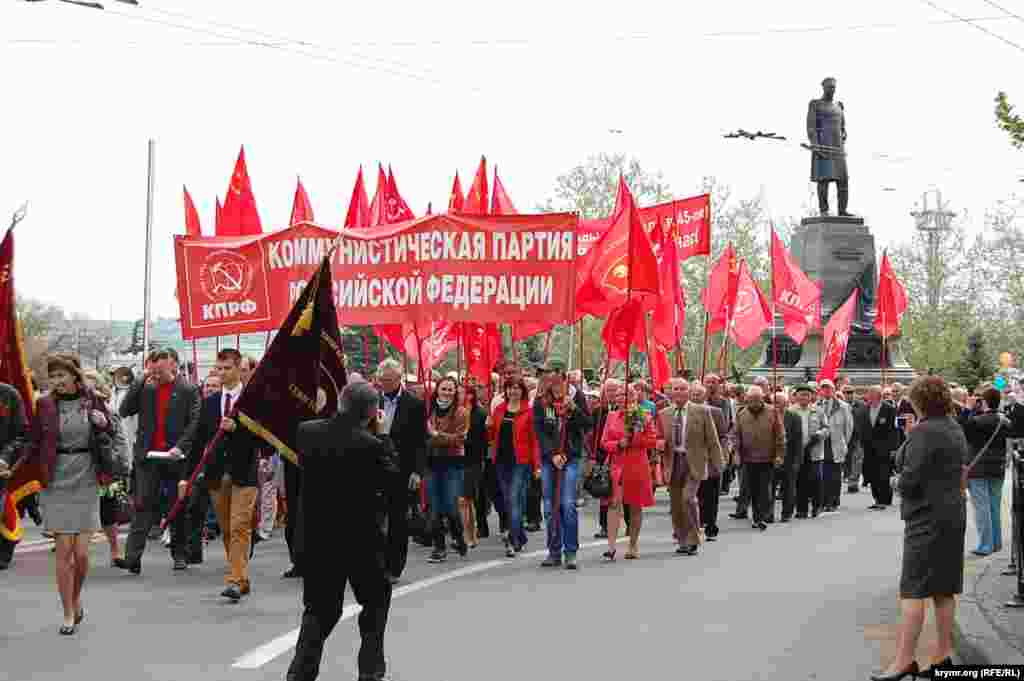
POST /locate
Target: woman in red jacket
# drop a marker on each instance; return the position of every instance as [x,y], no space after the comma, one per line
[628,433]
[516,454]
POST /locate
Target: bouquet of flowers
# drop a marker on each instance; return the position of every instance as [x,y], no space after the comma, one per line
[635,418]
[117,491]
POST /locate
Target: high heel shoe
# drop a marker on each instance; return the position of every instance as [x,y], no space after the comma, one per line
[79,617]
[912,671]
[609,556]
[929,672]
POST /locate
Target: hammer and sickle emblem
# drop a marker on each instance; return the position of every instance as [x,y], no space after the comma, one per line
[226,282]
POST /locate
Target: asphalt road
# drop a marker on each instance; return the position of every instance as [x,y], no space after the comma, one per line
[812,599]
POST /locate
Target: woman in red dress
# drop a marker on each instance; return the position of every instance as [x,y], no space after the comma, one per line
[631,472]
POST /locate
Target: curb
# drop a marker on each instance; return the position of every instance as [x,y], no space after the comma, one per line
[975,639]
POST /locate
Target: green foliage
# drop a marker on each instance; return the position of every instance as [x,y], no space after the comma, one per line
[977,364]
[590,187]
[1008,121]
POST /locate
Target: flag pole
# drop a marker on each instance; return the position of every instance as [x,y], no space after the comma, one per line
[885,327]
[195,360]
[147,286]
[707,277]
[647,348]
[458,349]
[775,338]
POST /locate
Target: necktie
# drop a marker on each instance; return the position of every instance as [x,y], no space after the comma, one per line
[677,428]
[227,404]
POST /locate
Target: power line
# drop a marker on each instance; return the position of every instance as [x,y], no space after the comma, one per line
[527,42]
[972,23]
[1004,10]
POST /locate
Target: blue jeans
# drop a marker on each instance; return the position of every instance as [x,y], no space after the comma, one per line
[513,479]
[987,499]
[444,487]
[563,531]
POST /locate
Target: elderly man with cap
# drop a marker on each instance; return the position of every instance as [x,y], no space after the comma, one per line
[744,497]
[839,418]
[813,430]
[761,446]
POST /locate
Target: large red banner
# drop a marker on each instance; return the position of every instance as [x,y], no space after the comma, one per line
[510,268]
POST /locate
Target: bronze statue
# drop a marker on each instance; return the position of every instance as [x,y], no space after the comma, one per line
[826,134]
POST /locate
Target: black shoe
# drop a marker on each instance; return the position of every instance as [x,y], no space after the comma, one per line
[437,557]
[853,489]
[770,519]
[179,564]
[4,565]
[761,526]
[815,513]
[601,534]
[687,550]
[134,568]
[712,532]
[533,527]
[551,561]
[929,672]
[194,559]
[394,579]
[738,516]
[291,573]
[233,592]
[801,516]
[35,515]
[785,519]
[65,630]
[911,671]
[462,548]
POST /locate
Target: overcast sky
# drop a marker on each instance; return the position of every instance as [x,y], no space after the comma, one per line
[428,87]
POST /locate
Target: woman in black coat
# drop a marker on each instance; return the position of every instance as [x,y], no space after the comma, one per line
[935,516]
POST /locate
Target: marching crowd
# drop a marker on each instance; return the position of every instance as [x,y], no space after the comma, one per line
[525,447]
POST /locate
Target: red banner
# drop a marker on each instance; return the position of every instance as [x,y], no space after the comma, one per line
[454,268]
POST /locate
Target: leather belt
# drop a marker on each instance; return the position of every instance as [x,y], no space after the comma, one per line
[80,450]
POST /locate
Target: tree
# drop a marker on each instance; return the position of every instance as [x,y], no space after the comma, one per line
[1008,121]
[37,318]
[590,187]
[977,363]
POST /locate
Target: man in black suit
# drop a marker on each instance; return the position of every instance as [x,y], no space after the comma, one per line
[405,421]
[351,469]
[876,426]
[167,408]
[13,431]
[790,473]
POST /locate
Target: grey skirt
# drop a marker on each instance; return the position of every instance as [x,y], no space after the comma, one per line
[933,552]
[71,503]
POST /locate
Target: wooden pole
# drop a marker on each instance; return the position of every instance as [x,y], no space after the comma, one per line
[195,361]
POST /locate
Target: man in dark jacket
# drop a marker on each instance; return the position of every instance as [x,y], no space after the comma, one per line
[987,428]
[350,469]
[405,421]
[790,472]
[13,425]
[561,420]
[876,426]
[168,409]
[710,489]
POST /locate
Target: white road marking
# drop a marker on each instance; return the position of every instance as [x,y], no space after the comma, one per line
[256,658]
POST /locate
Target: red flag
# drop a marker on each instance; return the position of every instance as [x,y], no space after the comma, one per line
[397,210]
[240,217]
[837,335]
[624,328]
[192,227]
[622,261]
[379,194]
[483,348]
[218,218]
[669,319]
[720,295]
[751,312]
[302,211]
[521,330]
[27,478]
[689,218]
[358,215]
[796,296]
[892,300]
[661,371]
[501,204]
[435,342]
[476,198]
[456,201]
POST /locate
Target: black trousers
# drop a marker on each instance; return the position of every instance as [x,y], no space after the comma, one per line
[323,593]
[707,497]
[809,488]
[293,534]
[6,552]
[877,470]
[485,493]
[744,500]
[832,481]
[398,526]
[788,478]
[758,478]
[149,477]
[533,501]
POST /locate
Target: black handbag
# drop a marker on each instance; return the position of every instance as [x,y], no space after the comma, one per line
[598,481]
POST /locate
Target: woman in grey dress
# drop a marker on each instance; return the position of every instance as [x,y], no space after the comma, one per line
[63,444]
[932,487]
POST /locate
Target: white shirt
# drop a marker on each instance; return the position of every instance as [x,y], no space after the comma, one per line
[390,408]
[679,447]
[224,392]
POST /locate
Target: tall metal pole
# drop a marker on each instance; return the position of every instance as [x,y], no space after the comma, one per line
[147,286]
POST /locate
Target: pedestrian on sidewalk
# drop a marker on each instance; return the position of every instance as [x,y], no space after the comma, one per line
[985,481]
[933,508]
[70,428]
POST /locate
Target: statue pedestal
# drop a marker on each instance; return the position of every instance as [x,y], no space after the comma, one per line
[839,254]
